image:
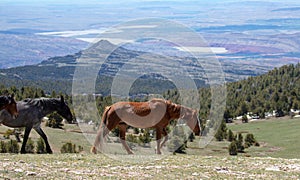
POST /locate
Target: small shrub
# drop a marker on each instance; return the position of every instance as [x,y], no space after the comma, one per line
[245,119]
[178,142]
[249,140]
[131,140]
[176,145]
[30,146]
[219,135]
[54,121]
[8,133]
[233,151]
[80,148]
[230,136]
[40,146]
[3,148]
[12,146]
[136,130]
[240,146]
[144,138]
[222,132]
[68,148]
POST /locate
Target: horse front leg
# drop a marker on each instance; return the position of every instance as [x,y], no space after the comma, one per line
[25,138]
[158,139]
[98,141]
[122,135]
[165,133]
[43,135]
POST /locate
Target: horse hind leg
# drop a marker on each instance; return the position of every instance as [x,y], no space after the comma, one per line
[101,134]
[165,133]
[26,135]
[122,128]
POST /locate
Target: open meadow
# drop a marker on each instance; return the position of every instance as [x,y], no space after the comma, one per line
[276,158]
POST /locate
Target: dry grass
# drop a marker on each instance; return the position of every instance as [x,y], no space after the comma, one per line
[88,166]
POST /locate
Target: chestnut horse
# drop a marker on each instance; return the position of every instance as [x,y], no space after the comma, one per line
[9,103]
[156,113]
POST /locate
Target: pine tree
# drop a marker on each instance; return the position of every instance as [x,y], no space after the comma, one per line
[145,138]
[222,132]
[12,146]
[3,148]
[40,146]
[240,146]
[230,136]
[55,121]
[249,140]
[30,146]
[233,148]
[245,119]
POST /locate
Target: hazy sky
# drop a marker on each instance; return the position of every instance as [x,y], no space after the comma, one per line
[82,14]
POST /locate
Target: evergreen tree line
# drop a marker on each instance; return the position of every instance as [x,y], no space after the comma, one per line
[278,90]
[237,142]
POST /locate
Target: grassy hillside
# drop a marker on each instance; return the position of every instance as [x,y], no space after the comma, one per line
[278,139]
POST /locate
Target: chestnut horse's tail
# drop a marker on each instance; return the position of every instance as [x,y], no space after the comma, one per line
[99,136]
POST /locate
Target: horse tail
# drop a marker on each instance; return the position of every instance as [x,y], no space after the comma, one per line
[100,131]
[104,116]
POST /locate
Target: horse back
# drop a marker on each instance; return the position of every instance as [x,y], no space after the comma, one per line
[138,108]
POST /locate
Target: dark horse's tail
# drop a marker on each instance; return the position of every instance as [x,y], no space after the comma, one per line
[100,130]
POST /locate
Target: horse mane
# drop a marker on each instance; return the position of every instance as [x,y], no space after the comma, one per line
[40,102]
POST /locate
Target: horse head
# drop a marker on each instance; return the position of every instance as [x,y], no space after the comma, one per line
[177,111]
[192,120]
[65,111]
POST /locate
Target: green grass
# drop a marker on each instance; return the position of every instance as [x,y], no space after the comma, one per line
[58,137]
[277,137]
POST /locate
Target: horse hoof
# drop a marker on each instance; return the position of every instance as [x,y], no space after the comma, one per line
[23,152]
[94,150]
[130,153]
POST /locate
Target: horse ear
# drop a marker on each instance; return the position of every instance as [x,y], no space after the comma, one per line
[62,98]
[168,103]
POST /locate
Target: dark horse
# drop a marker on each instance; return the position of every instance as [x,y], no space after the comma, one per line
[156,113]
[31,112]
[9,103]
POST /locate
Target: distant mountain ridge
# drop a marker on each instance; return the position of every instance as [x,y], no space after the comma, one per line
[19,48]
[56,73]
